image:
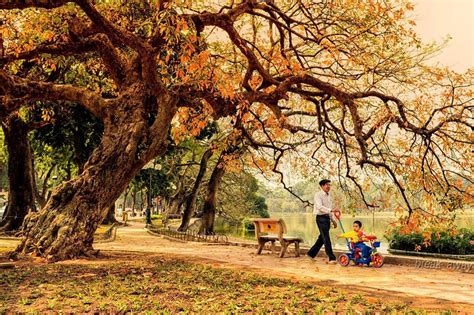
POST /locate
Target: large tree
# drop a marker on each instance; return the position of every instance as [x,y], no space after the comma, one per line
[342,72]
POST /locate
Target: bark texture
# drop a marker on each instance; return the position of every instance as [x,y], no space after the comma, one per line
[66,226]
[21,199]
[191,199]
[210,203]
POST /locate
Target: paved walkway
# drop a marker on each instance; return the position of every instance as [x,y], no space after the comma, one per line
[451,286]
[443,284]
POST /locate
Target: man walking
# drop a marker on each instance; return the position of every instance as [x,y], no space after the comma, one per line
[323,209]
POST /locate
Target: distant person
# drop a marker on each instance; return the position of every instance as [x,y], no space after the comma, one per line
[323,208]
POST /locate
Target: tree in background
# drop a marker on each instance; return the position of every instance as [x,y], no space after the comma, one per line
[232,152]
[191,200]
[21,178]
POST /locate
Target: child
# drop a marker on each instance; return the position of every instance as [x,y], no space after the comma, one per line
[358,237]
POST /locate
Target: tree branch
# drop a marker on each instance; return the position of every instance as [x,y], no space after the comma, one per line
[15,92]
[22,4]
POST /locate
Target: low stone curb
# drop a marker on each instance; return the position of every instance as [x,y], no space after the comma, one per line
[7,265]
[112,231]
[431,255]
[165,237]
[417,262]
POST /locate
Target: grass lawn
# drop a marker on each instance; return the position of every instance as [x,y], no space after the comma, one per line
[153,284]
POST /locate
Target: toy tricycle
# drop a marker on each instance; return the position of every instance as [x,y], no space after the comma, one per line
[355,254]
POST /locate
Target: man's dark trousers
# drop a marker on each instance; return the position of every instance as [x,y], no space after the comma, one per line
[323,223]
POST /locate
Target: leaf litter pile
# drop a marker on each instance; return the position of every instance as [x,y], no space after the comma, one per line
[152,284]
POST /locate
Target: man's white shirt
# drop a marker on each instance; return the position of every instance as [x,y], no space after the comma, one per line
[322,203]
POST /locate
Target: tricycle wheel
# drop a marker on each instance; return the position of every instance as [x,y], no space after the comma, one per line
[377,260]
[343,260]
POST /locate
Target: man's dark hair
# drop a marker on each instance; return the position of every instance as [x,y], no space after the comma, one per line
[324,182]
[358,223]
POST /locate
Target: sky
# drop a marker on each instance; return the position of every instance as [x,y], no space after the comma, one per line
[437,19]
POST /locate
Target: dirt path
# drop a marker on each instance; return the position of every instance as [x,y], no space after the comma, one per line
[422,285]
[448,285]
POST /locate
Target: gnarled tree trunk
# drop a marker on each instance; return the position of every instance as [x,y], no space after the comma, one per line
[65,227]
[21,182]
[191,200]
[210,204]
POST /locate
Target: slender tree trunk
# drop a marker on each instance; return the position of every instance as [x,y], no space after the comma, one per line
[134,201]
[21,199]
[191,199]
[177,204]
[68,170]
[210,203]
[65,227]
[43,196]
[156,207]
[110,217]
[124,207]
[174,203]
[142,201]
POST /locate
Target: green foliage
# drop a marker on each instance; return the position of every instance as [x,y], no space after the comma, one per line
[156,180]
[260,207]
[3,149]
[3,163]
[257,203]
[156,216]
[64,141]
[247,224]
[71,127]
[240,198]
[434,242]
[207,132]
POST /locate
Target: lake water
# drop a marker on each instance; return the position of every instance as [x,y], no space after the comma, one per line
[304,225]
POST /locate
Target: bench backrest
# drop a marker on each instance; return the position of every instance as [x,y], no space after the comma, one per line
[269,226]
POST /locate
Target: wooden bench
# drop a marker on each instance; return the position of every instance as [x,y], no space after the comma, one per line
[272,230]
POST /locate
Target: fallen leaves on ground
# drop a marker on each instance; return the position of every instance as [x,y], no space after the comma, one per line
[156,284]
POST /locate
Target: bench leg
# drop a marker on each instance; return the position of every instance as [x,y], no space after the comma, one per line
[261,244]
[284,246]
[297,249]
[273,247]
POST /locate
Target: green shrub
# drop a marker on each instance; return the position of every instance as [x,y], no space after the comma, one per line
[156,216]
[248,224]
[442,242]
